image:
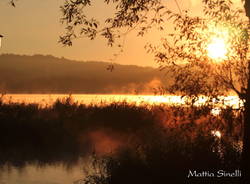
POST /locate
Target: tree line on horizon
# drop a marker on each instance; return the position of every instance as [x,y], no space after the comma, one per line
[48,74]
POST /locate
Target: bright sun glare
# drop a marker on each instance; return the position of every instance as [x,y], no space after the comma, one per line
[217,48]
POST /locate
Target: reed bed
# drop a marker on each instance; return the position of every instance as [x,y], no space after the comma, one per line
[129,143]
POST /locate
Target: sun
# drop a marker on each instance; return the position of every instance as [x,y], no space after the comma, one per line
[217,49]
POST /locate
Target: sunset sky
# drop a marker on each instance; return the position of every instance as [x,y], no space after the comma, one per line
[33,27]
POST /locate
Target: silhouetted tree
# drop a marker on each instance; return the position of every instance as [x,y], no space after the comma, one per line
[186,54]
[185,51]
[129,14]
[246,146]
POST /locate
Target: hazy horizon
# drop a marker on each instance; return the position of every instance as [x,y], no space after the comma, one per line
[49,74]
[76,60]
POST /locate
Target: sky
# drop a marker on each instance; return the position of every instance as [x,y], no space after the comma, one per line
[33,27]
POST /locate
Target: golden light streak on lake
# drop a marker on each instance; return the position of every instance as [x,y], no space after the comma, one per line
[48,99]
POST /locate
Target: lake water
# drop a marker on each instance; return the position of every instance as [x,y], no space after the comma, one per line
[48,99]
[59,174]
[32,174]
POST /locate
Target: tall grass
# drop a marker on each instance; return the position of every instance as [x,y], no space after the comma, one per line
[151,143]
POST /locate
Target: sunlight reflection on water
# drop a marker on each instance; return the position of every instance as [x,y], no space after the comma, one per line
[99,99]
[48,99]
[33,174]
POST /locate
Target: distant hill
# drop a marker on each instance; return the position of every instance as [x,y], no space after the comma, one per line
[49,74]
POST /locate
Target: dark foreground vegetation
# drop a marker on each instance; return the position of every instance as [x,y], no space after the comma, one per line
[131,144]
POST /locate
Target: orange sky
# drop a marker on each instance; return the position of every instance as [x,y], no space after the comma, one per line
[33,28]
